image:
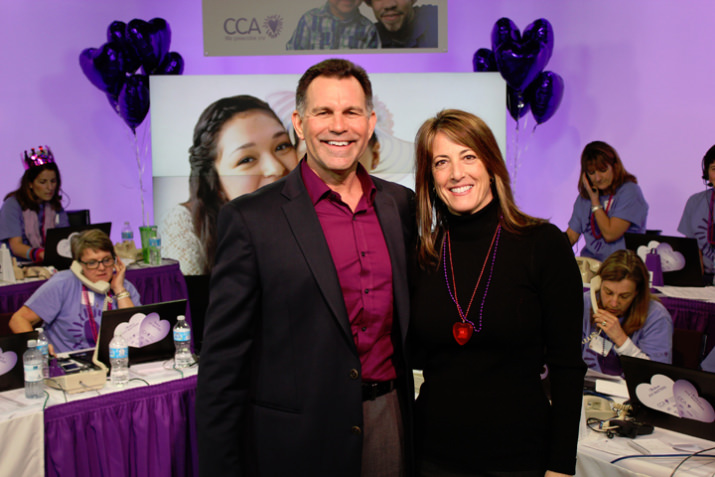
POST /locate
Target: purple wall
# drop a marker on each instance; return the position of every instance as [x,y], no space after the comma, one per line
[638,75]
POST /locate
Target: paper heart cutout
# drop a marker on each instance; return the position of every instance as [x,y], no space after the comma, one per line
[143,330]
[690,404]
[670,260]
[658,395]
[8,359]
[64,246]
[679,398]
[462,332]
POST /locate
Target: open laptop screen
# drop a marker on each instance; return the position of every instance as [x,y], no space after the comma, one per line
[147,329]
[58,251]
[679,256]
[667,396]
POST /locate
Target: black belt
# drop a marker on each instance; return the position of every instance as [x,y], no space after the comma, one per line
[371,391]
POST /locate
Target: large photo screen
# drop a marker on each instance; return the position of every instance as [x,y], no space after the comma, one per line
[179,104]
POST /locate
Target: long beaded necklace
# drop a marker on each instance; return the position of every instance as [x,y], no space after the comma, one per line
[598,235]
[462,330]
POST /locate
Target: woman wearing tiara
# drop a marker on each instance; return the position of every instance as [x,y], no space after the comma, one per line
[34,207]
[497,296]
[697,219]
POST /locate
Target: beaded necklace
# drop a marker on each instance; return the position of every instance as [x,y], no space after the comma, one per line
[598,235]
[462,330]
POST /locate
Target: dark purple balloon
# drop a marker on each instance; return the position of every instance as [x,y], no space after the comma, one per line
[133,100]
[104,67]
[504,31]
[483,60]
[173,64]
[545,95]
[161,35]
[516,103]
[542,32]
[520,63]
[143,40]
[116,31]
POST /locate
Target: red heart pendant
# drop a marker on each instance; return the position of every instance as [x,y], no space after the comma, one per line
[462,332]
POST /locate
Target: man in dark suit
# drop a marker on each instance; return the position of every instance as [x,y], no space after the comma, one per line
[303,369]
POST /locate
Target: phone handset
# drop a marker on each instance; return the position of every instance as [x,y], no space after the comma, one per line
[100,286]
[595,286]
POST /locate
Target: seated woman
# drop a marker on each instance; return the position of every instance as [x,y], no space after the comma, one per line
[609,204]
[71,302]
[34,207]
[627,319]
[697,219]
[239,145]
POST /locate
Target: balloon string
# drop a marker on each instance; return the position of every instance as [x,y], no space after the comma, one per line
[140,168]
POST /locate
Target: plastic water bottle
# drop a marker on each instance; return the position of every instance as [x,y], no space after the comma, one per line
[127,233]
[182,343]
[32,363]
[155,250]
[119,360]
[43,348]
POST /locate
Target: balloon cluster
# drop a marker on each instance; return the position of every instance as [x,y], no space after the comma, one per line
[521,59]
[136,46]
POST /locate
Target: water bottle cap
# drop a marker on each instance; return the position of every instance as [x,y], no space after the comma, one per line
[39,328]
[31,343]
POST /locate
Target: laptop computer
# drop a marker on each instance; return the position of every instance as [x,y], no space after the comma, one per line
[680,257]
[671,397]
[12,347]
[58,251]
[147,329]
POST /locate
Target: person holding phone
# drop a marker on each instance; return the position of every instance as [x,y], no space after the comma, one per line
[621,317]
[71,302]
[610,203]
[494,295]
[34,207]
[697,219]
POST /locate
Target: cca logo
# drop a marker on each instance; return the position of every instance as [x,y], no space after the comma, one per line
[241,26]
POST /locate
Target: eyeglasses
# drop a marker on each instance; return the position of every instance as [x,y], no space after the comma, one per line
[92,264]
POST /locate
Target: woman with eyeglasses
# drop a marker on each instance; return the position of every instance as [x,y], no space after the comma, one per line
[697,219]
[71,302]
[610,203]
[34,207]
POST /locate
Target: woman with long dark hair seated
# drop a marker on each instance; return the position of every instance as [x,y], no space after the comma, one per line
[34,207]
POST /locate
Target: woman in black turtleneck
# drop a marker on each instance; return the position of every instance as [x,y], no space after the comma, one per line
[497,296]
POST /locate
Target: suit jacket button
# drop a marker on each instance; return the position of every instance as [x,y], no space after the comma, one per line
[356,430]
[354,374]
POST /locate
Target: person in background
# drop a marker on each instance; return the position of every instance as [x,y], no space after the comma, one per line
[697,220]
[610,203]
[627,319]
[71,302]
[494,300]
[402,25]
[34,207]
[303,364]
[239,146]
[336,25]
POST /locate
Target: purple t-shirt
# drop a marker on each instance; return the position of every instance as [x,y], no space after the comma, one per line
[59,303]
[627,203]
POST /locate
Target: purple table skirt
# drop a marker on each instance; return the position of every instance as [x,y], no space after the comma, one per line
[693,315]
[154,284]
[148,431]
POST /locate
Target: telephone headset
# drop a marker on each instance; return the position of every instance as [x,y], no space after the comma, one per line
[100,286]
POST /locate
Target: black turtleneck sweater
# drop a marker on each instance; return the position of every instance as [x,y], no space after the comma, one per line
[483,405]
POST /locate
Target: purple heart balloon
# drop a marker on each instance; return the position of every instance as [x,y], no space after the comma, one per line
[541,31]
[161,36]
[483,60]
[142,38]
[504,31]
[104,67]
[133,100]
[173,64]
[545,95]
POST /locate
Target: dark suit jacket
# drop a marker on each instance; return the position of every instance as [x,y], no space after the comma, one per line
[279,387]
